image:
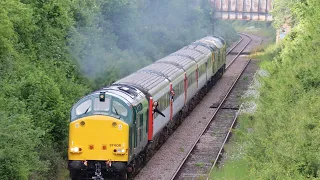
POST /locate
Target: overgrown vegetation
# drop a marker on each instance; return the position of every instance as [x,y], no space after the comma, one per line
[38,84]
[282,138]
[53,52]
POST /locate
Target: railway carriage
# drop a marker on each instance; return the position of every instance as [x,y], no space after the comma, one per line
[115,130]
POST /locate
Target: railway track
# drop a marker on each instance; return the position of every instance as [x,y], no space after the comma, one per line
[238,48]
[184,155]
[230,50]
[210,143]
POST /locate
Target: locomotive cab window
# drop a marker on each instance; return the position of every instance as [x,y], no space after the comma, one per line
[84,107]
[92,105]
[119,109]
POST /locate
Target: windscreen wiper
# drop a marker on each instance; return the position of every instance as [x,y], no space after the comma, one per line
[116,111]
[87,109]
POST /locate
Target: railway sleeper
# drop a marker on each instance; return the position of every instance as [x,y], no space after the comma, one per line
[241,53]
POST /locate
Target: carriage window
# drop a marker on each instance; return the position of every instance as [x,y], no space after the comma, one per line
[102,106]
[84,107]
[179,89]
[118,108]
[191,78]
[202,69]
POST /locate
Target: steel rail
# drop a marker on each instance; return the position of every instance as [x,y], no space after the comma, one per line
[240,50]
[212,117]
[232,125]
[235,45]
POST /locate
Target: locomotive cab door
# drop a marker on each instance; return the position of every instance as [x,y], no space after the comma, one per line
[142,129]
[134,134]
[140,136]
[137,132]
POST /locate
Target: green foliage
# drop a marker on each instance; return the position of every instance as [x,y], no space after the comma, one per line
[19,138]
[283,12]
[285,140]
[38,84]
[282,138]
[232,170]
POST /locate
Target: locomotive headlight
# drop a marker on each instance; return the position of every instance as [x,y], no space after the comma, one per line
[75,150]
[119,151]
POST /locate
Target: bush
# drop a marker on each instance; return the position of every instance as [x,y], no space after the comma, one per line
[285,140]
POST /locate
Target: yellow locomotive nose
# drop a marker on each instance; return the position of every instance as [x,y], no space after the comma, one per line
[98,137]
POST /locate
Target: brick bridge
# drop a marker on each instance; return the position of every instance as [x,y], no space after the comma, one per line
[257,10]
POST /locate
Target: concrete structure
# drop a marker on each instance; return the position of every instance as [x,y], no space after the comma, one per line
[257,10]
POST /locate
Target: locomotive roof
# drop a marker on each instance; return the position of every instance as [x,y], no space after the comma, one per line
[211,40]
[189,53]
[199,48]
[143,80]
[166,69]
[179,61]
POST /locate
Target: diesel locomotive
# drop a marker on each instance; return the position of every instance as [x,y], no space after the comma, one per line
[115,130]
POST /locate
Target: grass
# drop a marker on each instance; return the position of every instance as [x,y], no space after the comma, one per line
[201,178]
[236,169]
[236,166]
[199,164]
[181,149]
